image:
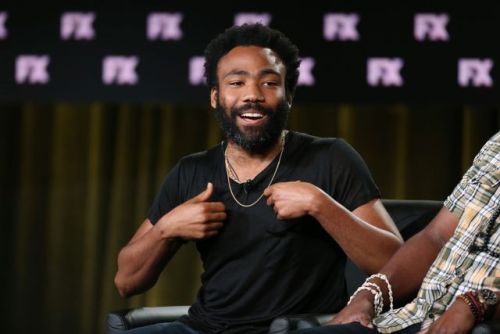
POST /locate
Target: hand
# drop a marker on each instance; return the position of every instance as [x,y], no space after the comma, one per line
[359,310]
[196,218]
[458,318]
[291,199]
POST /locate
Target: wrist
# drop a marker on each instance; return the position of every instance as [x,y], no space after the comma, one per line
[317,202]
[474,306]
[365,297]
[488,300]
[166,230]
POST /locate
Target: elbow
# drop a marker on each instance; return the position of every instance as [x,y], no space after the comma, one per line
[386,253]
[123,288]
[129,286]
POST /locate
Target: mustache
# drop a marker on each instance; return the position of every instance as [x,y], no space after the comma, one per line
[251,106]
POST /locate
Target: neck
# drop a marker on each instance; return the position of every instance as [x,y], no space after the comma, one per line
[248,164]
[240,155]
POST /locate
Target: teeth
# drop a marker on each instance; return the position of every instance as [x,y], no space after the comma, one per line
[252,115]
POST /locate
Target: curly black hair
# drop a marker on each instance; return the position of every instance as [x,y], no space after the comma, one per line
[255,35]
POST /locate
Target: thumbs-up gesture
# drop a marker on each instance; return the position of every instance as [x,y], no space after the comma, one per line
[195,219]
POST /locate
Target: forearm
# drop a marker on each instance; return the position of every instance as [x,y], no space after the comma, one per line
[357,237]
[408,267]
[141,261]
[404,272]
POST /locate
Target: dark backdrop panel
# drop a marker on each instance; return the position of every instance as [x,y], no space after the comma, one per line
[429,72]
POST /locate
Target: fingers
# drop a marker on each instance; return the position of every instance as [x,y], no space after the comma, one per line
[268,191]
[204,195]
[216,217]
[201,230]
[213,226]
[214,206]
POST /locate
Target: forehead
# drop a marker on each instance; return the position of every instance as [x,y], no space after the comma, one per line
[251,59]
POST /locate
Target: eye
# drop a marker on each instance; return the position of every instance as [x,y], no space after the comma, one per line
[236,83]
[270,83]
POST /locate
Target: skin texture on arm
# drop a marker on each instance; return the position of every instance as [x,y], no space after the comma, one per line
[406,269]
[141,261]
[458,318]
[351,230]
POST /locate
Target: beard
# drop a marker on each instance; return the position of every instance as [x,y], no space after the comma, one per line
[255,139]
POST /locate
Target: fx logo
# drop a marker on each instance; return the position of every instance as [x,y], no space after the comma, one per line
[197,70]
[242,18]
[32,69]
[164,26]
[120,70]
[3,29]
[77,26]
[306,77]
[384,71]
[340,27]
[475,72]
[431,27]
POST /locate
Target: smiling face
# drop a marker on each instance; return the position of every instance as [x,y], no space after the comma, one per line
[250,99]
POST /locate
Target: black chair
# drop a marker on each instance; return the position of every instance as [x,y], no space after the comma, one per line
[410,217]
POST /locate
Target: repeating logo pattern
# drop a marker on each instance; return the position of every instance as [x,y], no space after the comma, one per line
[389,69]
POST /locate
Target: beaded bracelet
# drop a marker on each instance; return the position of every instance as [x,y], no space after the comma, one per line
[473,308]
[470,298]
[389,288]
[378,302]
[379,290]
[376,294]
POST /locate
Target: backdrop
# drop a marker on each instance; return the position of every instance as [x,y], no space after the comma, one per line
[76,181]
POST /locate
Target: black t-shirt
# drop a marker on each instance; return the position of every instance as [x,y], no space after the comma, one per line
[259,268]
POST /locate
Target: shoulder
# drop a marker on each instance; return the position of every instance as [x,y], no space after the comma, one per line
[488,158]
[333,145]
[200,159]
[307,140]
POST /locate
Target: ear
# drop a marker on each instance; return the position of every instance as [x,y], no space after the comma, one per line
[289,100]
[214,94]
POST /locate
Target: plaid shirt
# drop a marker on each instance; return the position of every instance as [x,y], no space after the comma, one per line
[456,270]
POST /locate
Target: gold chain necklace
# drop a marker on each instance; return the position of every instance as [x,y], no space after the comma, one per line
[283,135]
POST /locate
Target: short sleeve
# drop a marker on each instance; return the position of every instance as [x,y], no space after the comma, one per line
[480,179]
[167,197]
[353,183]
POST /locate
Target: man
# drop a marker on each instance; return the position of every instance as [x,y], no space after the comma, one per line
[273,213]
[455,261]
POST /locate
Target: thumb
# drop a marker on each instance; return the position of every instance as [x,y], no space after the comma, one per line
[366,323]
[204,195]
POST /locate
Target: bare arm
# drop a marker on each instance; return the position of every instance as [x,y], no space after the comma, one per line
[141,261]
[406,269]
[458,318]
[410,264]
[367,230]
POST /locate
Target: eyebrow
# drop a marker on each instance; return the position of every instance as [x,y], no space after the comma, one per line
[263,72]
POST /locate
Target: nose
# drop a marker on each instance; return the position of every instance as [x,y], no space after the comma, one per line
[253,93]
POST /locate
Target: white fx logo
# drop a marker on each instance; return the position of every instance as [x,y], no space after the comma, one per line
[306,77]
[342,27]
[197,70]
[385,71]
[431,27]
[242,18]
[164,26]
[32,69]
[3,29]
[120,70]
[475,72]
[77,26]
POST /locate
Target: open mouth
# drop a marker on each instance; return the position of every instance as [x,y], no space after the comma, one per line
[252,116]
